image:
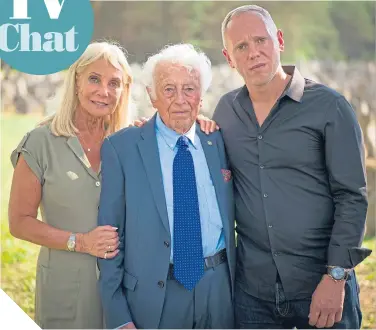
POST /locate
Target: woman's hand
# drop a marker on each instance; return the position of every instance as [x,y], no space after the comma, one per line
[102,242]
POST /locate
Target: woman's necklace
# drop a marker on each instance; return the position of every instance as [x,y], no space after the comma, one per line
[88,147]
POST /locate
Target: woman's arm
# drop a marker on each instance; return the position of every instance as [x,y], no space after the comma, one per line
[25,197]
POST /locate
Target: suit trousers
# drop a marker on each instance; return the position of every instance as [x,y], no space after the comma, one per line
[208,306]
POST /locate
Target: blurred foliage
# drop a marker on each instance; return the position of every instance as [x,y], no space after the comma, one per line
[321,30]
[18,266]
[18,258]
[366,275]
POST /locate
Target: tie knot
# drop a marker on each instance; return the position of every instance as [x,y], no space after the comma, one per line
[182,143]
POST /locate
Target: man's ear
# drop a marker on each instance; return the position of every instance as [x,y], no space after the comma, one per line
[228,58]
[281,42]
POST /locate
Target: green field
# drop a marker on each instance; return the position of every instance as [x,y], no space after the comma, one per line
[18,258]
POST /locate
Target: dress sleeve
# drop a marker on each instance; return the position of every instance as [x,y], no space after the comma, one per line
[30,148]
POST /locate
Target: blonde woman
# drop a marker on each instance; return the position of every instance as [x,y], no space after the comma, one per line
[57,168]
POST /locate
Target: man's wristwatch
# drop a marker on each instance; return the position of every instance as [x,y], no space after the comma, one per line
[338,273]
[71,244]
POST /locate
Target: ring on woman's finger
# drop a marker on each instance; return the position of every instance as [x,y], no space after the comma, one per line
[109,248]
[105,255]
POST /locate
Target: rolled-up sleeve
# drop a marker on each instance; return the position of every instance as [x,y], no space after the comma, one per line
[31,148]
[344,154]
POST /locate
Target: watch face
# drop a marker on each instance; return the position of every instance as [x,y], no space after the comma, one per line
[338,273]
[71,244]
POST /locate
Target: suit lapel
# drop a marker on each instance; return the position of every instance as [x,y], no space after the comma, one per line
[148,147]
[213,159]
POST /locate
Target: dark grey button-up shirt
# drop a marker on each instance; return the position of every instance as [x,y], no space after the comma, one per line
[300,187]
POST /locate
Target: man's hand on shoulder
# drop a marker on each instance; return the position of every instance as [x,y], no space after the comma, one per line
[139,122]
[129,325]
[327,303]
[207,125]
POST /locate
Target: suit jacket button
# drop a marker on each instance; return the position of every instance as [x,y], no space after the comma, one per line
[161,284]
[167,244]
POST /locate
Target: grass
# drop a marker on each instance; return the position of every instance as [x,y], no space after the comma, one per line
[18,258]
[366,274]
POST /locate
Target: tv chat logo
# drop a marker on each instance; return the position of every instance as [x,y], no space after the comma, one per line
[44,36]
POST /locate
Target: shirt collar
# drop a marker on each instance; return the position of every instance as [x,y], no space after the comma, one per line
[171,137]
[294,89]
[296,86]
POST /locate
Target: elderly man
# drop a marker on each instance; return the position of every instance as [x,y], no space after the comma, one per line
[295,148]
[167,188]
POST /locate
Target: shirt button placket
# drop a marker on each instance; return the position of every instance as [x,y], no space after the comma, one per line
[261,167]
[265,195]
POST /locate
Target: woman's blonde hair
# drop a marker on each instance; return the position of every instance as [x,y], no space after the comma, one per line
[62,122]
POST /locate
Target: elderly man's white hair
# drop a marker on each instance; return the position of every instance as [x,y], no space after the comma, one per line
[263,13]
[183,54]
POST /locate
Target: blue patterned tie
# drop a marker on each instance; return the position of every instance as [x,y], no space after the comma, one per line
[188,254]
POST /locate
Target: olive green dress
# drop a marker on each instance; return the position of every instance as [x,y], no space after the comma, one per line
[66,282]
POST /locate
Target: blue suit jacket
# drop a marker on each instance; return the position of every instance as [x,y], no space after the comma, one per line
[132,199]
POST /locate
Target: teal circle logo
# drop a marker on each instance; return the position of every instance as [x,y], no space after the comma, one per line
[44,36]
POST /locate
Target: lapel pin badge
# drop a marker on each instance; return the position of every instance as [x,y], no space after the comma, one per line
[210,143]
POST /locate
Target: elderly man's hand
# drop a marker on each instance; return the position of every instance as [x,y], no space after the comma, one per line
[207,125]
[327,303]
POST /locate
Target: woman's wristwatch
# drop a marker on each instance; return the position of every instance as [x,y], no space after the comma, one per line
[71,243]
